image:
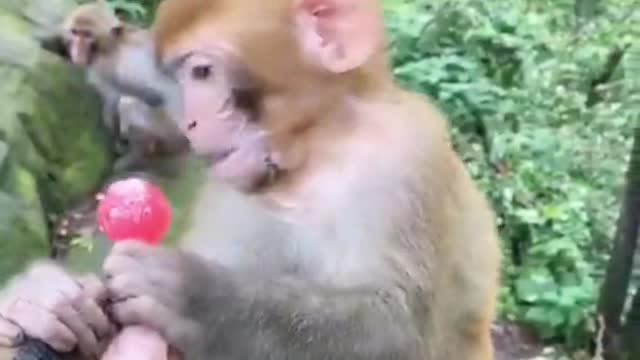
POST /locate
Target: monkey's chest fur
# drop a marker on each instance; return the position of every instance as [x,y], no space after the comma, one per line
[240,233]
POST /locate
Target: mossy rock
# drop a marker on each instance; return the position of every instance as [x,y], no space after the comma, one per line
[53,149]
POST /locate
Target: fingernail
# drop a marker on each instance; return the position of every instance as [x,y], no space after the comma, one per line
[10,334]
[12,340]
[18,338]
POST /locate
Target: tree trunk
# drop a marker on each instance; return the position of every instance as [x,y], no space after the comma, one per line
[631,331]
[616,284]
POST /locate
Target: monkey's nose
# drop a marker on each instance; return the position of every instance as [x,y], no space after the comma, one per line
[192,125]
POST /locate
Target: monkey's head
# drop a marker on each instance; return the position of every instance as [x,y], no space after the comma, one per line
[89,29]
[261,80]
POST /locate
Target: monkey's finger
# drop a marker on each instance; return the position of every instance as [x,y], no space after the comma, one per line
[93,288]
[10,333]
[117,264]
[95,293]
[38,323]
[87,341]
[171,285]
[133,249]
[51,277]
[126,286]
[63,305]
[143,255]
[94,316]
[146,311]
[54,288]
[147,255]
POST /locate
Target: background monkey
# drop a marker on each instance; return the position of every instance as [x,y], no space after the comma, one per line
[120,62]
[301,247]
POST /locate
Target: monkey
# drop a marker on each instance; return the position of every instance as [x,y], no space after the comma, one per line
[46,292]
[121,67]
[119,55]
[336,222]
[69,298]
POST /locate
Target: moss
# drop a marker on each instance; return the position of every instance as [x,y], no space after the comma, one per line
[55,149]
[21,237]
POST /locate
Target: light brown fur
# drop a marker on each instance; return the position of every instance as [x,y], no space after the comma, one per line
[367,162]
[369,242]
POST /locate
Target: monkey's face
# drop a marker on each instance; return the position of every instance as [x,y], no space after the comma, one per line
[221,118]
[81,45]
[255,93]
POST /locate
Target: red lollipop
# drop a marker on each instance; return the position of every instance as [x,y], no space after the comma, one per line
[134,209]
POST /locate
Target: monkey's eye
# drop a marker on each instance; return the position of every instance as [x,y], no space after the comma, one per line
[80,32]
[201,72]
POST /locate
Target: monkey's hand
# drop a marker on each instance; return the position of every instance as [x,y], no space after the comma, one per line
[148,286]
[205,311]
[48,304]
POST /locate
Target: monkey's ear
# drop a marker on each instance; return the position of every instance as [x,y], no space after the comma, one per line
[341,35]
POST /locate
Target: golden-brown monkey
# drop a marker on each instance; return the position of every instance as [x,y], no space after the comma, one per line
[338,222]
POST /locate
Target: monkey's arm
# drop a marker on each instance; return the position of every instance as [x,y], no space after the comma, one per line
[250,318]
[209,311]
[110,116]
[152,96]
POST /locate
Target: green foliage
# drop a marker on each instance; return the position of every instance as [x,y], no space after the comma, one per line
[515,78]
[138,11]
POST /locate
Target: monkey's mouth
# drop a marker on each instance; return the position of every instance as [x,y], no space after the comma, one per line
[247,168]
[92,53]
[218,157]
